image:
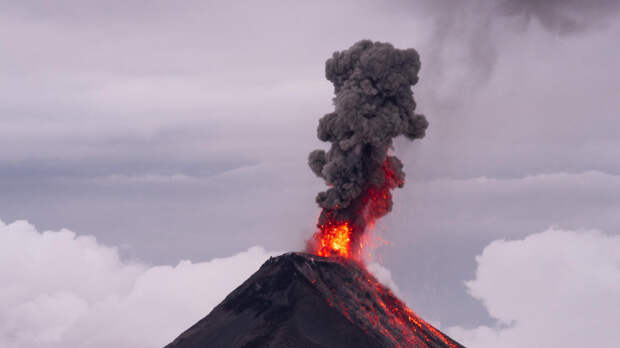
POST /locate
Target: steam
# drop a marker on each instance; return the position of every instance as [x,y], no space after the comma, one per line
[373,105]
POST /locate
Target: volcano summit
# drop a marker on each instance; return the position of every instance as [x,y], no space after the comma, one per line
[326,298]
[303,300]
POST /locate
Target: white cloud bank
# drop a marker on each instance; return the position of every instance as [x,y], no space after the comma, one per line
[62,290]
[552,289]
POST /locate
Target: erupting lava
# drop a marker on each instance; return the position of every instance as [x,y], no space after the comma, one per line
[342,231]
[335,240]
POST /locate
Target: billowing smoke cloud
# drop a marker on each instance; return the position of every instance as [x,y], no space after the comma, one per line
[373,105]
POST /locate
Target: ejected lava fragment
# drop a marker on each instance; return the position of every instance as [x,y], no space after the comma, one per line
[303,300]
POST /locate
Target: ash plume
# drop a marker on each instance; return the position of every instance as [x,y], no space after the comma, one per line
[373,105]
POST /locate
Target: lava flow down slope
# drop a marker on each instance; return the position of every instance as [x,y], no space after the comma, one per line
[304,300]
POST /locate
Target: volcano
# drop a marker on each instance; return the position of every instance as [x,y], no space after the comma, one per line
[304,300]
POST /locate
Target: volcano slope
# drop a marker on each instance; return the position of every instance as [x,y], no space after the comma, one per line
[304,300]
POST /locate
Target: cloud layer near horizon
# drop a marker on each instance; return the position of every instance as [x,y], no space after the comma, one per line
[552,289]
[63,290]
[59,289]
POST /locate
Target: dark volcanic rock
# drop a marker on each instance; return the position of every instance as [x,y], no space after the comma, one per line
[303,300]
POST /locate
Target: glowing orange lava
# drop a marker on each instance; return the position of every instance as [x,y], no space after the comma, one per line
[335,240]
[379,310]
[342,230]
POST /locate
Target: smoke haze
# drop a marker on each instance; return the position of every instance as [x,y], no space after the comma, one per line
[470,32]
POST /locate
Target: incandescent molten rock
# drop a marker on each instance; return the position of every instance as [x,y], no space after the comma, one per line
[303,300]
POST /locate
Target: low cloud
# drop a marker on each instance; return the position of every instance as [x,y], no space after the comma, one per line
[63,290]
[555,288]
[552,289]
[60,289]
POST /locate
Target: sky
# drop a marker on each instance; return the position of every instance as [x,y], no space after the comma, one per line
[158,145]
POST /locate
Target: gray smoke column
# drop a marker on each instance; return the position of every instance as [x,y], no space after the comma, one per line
[373,105]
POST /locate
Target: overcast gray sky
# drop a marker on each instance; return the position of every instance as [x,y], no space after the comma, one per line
[180,130]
